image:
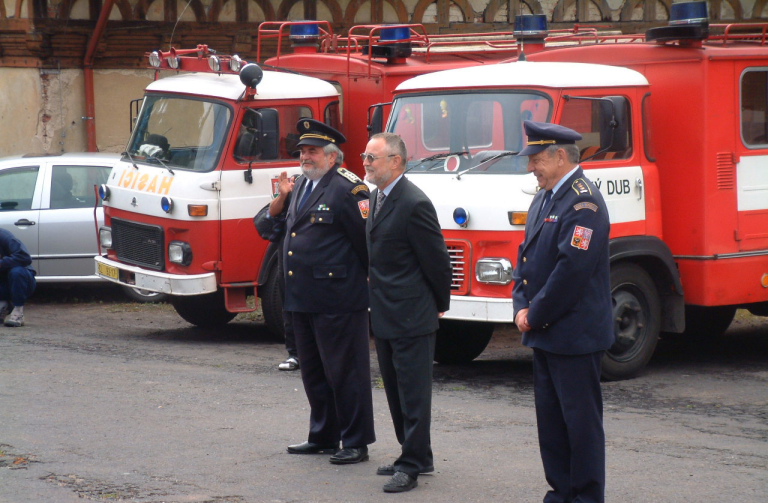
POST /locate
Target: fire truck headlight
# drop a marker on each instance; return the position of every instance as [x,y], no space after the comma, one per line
[461,216]
[166,203]
[497,271]
[105,237]
[154,59]
[104,192]
[179,252]
[173,62]
[214,63]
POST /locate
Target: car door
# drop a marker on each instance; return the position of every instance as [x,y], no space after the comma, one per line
[68,238]
[21,186]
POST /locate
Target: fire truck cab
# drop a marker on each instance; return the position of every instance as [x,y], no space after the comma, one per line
[203,159]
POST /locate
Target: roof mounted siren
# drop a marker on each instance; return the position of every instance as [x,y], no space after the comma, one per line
[304,37]
[688,24]
[530,31]
[394,44]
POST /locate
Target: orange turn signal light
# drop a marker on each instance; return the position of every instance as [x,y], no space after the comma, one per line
[197,210]
[517,217]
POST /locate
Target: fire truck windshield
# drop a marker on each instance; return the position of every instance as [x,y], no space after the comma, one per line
[454,132]
[180,132]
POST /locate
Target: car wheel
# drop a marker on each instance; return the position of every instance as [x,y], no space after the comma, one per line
[272,303]
[141,295]
[205,311]
[460,341]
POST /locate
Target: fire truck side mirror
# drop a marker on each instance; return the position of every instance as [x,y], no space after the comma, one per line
[614,118]
[267,127]
[376,119]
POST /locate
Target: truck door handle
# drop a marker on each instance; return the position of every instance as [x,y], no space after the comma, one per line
[639,185]
[23,221]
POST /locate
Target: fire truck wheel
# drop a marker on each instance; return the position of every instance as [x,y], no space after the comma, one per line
[637,315]
[272,304]
[460,341]
[205,311]
[708,322]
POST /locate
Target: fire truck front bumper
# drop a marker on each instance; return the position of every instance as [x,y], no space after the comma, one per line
[481,309]
[171,284]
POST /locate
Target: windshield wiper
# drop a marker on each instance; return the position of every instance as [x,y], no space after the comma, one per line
[133,163]
[434,157]
[497,156]
[154,158]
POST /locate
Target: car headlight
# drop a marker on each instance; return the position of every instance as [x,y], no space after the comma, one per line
[105,237]
[497,271]
[179,252]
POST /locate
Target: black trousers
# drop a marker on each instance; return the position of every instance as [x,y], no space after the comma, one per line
[569,416]
[335,362]
[406,369]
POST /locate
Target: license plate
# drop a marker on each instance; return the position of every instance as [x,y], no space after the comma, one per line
[107,270]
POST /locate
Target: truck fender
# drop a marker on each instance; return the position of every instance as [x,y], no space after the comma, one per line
[653,255]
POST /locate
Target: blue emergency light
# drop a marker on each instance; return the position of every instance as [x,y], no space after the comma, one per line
[304,31]
[530,25]
[395,34]
[688,13]
[461,216]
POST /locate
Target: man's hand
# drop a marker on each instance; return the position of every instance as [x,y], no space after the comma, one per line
[521,320]
[284,187]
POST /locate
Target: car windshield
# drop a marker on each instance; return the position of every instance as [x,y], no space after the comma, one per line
[479,131]
[179,132]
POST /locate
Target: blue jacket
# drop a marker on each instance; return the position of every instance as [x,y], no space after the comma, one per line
[13,253]
[562,274]
[325,259]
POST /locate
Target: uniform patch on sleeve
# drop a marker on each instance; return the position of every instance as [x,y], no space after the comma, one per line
[358,188]
[349,175]
[580,186]
[585,205]
[363,205]
[581,237]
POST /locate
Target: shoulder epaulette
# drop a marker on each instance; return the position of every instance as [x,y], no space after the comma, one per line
[580,186]
[349,175]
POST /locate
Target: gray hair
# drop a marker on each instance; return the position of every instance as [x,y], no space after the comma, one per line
[571,151]
[395,146]
[331,148]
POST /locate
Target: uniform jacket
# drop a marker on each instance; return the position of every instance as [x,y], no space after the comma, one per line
[325,259]
[410,271]
[13,253]
[562,273]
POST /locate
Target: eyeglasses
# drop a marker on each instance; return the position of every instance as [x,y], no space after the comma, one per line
[371,157]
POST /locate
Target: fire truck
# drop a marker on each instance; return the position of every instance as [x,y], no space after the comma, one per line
[675,135]
[203,159]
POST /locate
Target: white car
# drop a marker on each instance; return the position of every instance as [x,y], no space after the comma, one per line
[48,202]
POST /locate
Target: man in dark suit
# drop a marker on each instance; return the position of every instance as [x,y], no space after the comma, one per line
[325,263]
[17,279]
[562,302]
[410,288]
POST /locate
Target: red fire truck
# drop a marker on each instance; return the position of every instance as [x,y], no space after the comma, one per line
[675,136]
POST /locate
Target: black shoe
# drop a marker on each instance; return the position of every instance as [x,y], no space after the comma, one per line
[389,470]
[400,482]
[312,448]
[350,455]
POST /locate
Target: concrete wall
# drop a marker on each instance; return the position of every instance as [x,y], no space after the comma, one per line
[42,110]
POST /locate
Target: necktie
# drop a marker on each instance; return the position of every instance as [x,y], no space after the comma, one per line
[379,201]
[305,196]
[547,198]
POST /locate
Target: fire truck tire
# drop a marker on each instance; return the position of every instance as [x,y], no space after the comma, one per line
[637,321]
[460,341]
[272,304]
[205,311]
[708,322]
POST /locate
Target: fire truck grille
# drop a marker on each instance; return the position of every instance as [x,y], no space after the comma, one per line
[138,244]
[459,252]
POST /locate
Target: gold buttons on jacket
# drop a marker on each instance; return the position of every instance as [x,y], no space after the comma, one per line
[290,273]
[293,234]
[290,253]
[330,274]
[524,260]
[525,281]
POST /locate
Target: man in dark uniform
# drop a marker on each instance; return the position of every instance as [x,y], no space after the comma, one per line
[17,279]
[562,302]
[410,285]
[325,262]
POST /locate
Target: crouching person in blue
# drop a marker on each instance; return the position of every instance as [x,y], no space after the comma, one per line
[17,279]
[562,302]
